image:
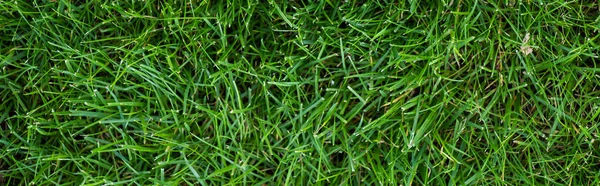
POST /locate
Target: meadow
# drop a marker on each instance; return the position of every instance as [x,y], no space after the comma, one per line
[299,92]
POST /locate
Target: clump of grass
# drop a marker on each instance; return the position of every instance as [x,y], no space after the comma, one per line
[299,92]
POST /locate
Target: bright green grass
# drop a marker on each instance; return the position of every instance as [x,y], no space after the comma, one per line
[302,92]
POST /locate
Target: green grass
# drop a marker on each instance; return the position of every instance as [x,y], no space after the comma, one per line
[246,92]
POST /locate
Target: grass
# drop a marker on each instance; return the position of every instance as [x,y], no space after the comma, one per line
[246,92]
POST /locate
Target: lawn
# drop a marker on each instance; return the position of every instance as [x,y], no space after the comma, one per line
[299,92]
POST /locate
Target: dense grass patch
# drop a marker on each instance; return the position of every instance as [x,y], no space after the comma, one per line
[451,92]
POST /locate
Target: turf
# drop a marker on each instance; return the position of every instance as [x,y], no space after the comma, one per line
[246,92]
